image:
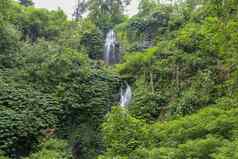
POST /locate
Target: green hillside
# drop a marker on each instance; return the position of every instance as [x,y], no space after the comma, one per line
[60,99]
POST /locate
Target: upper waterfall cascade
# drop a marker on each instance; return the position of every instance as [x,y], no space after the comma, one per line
[112,51]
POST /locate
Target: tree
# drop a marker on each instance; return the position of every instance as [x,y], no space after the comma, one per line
[41,23]
[146,6]
[105,13]
[26,3]
[80,9]
[9,45]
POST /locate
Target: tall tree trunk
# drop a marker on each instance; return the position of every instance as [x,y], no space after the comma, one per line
[151,82]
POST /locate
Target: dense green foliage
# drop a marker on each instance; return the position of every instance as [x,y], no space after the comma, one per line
[56,93]
[192,62]
[51,149]
[48,82]
[179,58]
[211,133]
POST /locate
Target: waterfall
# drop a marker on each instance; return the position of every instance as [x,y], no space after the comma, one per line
[126,96]
[112,56]
[111,53]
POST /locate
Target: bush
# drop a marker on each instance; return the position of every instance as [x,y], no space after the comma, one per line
[148,106]
[123,133]
[200,136]
[229,150]
[51,149]
[9,45]
[24,113]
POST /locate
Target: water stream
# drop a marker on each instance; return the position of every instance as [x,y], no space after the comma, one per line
[112,56]
[126,96]
[112,52]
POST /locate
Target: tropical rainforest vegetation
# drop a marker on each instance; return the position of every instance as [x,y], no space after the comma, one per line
[58,100]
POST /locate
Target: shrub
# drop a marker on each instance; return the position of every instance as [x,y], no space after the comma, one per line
[51,149]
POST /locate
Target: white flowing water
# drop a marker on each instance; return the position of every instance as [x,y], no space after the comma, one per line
[126,96]
[111,54]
